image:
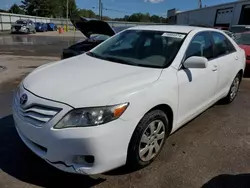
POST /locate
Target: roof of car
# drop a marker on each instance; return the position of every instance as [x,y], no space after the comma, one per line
[170,28]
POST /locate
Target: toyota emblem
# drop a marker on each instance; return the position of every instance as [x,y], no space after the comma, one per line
[23,99]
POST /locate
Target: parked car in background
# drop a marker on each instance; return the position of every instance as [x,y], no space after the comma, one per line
[118,103]
[23,26]
[51,27]
[239,28]
[230,34]
[222,28]
[94,31]
[41,27]
[243,40]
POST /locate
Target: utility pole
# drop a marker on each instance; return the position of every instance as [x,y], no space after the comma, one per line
[100,9]
[67,15]
[200,3]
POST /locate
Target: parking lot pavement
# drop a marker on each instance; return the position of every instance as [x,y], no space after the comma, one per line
[56,33]
[210,151]
[35,45]
[16,66]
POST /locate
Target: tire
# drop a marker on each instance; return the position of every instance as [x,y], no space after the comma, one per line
[233,90]
[28,31]
[136,159]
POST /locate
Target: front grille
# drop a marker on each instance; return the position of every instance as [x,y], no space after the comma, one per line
[36,114]
[17,28]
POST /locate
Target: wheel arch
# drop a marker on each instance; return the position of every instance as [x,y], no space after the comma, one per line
[241,72]
[168,111]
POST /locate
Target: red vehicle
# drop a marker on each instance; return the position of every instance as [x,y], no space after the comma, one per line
[222,28]
[243,40]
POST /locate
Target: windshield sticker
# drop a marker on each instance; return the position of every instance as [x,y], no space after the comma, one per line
[174,35]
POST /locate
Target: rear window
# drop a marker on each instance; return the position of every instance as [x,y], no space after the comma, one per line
[242,38]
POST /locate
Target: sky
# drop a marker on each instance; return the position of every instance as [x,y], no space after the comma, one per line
[119,8]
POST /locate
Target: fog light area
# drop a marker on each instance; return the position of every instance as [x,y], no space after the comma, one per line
[84,159]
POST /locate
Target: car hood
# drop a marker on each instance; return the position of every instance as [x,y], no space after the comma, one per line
[84,81]
[246,48]
[19,24]
[91,26]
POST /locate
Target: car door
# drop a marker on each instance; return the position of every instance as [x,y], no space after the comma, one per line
[197,86]
[227,58]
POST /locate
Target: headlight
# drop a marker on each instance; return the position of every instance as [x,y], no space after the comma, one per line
[86,117]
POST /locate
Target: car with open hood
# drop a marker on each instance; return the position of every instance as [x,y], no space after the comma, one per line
[94,31]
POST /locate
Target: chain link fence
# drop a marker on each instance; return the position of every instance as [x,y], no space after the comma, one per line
[6,19]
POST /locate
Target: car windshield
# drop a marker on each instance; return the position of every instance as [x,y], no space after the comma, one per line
[99,37]
[21,22]
[243,38]
[145,48]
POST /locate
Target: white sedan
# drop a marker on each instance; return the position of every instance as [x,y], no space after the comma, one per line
[118,103]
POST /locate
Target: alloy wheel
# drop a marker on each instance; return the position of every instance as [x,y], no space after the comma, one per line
[234,88]
[152,140]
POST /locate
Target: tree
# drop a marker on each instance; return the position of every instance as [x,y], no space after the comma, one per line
[16,9]
[38,7]
[87,13]
[2,10]
[62,5]
[49,8]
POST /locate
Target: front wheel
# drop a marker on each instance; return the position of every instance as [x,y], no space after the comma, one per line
[148,139]
[233,90]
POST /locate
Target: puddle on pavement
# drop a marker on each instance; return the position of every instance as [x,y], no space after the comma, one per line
[36,40]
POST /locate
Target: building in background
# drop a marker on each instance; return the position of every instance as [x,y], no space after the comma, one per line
[223,15]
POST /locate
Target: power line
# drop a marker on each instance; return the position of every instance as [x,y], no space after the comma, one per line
[104,8]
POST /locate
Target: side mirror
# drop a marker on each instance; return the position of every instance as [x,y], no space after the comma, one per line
[196,62]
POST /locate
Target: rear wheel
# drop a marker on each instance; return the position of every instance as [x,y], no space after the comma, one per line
[233,90]
[148,139]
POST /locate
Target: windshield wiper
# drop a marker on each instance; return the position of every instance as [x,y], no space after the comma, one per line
[122,61]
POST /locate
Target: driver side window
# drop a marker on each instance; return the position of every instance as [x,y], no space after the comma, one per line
[201,46]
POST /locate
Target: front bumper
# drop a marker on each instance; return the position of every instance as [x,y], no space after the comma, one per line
[21,30]
[107,143]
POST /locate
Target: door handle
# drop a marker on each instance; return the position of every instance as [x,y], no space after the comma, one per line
[215,68]
[236,57]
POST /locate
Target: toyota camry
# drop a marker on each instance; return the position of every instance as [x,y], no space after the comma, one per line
[118,103]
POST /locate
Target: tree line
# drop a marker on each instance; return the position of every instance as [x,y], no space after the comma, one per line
[58,9]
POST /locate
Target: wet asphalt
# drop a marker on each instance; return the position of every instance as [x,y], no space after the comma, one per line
[211,151]
[32,45]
